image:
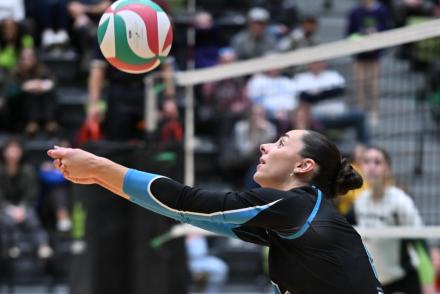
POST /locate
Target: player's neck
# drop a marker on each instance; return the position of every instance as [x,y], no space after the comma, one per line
[289,184]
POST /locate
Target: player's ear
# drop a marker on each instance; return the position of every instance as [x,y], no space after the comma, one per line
[304,166]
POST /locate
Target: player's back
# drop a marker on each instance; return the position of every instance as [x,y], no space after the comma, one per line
[329,257]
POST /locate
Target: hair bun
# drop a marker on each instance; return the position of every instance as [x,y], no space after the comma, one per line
[347,178]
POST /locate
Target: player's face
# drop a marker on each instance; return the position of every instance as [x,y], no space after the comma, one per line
[374,167]
[278,160]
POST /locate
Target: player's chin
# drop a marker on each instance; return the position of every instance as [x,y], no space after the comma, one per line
[258,178]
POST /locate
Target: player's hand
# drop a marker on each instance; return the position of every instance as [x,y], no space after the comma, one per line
[76,165]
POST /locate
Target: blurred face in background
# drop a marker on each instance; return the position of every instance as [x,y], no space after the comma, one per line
[317,67]
[309,27]
[28,59]
[170,110]
[12,153]
[10,29]
[257,28]
[375,168]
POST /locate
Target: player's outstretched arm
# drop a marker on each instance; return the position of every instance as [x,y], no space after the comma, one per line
[215,211]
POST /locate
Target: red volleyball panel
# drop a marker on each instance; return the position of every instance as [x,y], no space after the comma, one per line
[132,67]
[149,16]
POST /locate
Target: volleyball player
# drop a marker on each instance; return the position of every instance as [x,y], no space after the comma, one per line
[313,250]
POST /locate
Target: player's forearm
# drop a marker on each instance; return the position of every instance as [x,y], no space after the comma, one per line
[96,81]
[110,175]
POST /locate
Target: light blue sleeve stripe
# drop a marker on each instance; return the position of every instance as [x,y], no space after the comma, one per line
[309,220]
[137,186]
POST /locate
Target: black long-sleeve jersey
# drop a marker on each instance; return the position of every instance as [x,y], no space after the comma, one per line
[313,250]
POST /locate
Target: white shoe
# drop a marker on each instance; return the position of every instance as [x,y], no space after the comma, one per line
[14,252]
[44,252]
[64,225]
[48,39]
[78,247]
[61,37]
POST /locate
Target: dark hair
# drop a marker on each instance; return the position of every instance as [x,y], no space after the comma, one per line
[335,175]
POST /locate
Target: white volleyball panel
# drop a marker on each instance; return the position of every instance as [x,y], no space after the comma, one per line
[136,33]
[108,41]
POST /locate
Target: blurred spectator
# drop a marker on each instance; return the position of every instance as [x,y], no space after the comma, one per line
[32,87]
[205,268]
[368,18]
[170,127]
[53,18]
[383,205]
[285,12]
[255,41]
[12,9]
[303,36]
[301,118]
[320,94]
[276,93]
[404,10]
[226,97]
[249,134]
[207,40]
[12,40]
[55,192]
[124,114]
[18,187]
[85,15]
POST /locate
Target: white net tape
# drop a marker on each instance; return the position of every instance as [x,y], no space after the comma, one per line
[401,232]
[342,48]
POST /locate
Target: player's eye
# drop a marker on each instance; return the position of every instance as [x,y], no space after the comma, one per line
[280,142]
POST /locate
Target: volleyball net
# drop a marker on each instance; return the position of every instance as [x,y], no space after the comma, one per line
[408,111]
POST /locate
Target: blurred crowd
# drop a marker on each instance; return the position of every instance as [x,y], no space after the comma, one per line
[49,54]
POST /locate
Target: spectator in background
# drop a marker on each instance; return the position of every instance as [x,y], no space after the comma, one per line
[18,188]
[55,192]
[12,40]
[32,86]
[205,268]
[365,19]
[124,114]
[226,97]
[276,93]
[12,9]
[303,36]
[53,18]
[405,9]
[384,205]
[320,94]
[170,127]
[255,41]
[207,40]
[249,134]
[85,15]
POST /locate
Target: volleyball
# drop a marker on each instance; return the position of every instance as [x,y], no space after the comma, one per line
[135,36]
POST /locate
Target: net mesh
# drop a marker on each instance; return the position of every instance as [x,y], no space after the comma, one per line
[408,111]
